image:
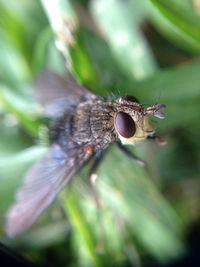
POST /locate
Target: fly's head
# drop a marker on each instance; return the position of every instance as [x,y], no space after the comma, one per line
[132,122]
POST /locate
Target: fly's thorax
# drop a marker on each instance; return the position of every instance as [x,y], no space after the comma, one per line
[93,123]
[102,122]
[130,123]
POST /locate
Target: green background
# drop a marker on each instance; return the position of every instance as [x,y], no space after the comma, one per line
[148,49]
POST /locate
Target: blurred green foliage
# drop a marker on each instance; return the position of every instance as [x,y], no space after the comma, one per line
[148,49]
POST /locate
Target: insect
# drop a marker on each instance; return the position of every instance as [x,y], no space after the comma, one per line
[84,125]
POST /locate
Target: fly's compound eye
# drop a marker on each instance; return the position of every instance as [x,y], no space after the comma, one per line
[125,125]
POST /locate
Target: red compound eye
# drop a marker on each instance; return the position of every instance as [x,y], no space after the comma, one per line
[125,125]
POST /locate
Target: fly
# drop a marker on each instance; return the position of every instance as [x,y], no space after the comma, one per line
[83,125]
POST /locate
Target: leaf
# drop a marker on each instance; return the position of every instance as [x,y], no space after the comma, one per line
[179,21]
[81,226]
[70,42]
[129,192]
[126,42]
[19,107]
[13,67]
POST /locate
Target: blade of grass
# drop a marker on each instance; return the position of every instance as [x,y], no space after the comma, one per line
[123,35]
[13,104]
[128,191]
[78,219]
[178,21]
[13,66]
[70,41]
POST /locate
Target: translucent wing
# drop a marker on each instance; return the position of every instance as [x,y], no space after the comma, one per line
[55,92]
[41,185]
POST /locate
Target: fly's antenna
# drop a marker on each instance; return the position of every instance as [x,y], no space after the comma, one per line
[154,110]
[159,96]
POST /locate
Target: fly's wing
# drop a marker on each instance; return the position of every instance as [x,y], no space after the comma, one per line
[55,92]
[41,185]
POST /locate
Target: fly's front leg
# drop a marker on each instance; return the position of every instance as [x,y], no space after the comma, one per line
[131,155]
[159,140]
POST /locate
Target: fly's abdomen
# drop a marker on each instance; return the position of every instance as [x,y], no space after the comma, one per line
[60,131]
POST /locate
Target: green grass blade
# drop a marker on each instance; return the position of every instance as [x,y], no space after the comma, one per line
[129,192]
[70,41]
[123,35]
[180,22]
[13,104]
[81,226]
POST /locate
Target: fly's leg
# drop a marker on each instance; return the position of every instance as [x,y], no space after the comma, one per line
[131,155]
[159,140]
[92,173]
[92,179]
